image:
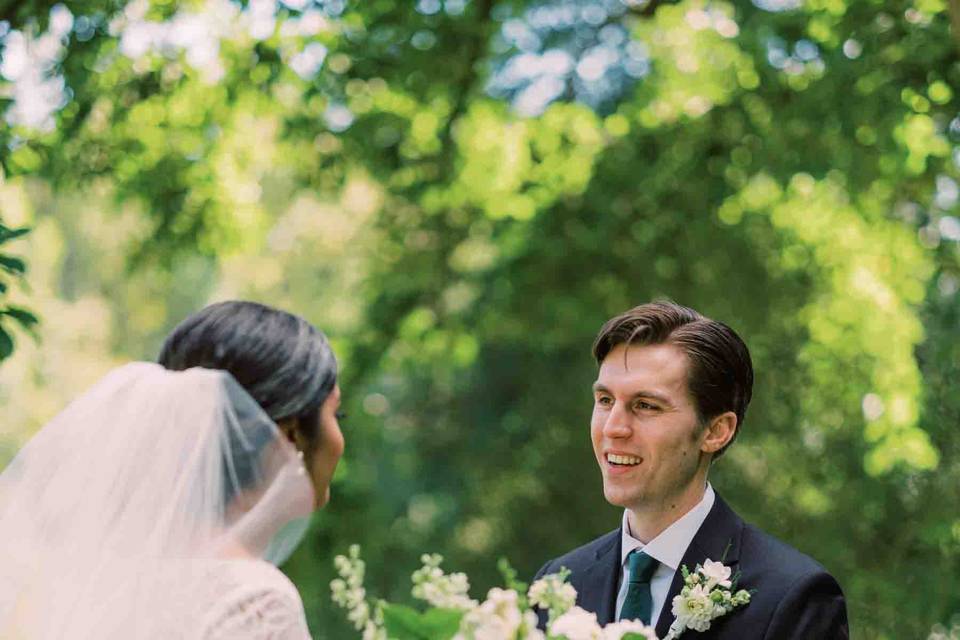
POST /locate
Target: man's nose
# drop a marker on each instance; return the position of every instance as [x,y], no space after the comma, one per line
[618,423]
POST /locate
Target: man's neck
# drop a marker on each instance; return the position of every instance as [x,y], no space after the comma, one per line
[647,521]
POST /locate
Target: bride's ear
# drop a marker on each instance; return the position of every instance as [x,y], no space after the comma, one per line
[288,427]
[292,430]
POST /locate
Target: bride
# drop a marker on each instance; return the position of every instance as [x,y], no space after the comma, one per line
[157,504]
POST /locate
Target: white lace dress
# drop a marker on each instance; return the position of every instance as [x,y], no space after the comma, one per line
[237,600]
[182,600]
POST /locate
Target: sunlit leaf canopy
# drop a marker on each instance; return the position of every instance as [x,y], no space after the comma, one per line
[460,192]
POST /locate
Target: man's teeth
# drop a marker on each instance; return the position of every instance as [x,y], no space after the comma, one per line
[615,459]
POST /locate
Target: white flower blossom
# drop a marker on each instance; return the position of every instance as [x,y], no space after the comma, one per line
[553,594]
[694,609]
[616,630]
[717,574]
[499,618]
[441,590]
[706,595]
[348,592]
[577,624]
[503,604]
[528,627]
[480,625]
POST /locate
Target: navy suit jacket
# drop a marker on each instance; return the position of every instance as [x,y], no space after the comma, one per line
[794,598]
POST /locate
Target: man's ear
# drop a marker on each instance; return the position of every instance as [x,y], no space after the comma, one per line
[719,432]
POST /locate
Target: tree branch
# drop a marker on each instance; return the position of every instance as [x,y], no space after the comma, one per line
[954,10]
[475,49]
[647,9]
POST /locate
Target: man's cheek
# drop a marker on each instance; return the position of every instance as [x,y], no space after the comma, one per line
[596,428]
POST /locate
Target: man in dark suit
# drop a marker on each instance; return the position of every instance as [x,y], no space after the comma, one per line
[670,397]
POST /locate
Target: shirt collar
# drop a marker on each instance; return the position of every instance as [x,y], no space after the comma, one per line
[668,547]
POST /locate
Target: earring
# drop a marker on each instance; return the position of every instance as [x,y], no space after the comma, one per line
[302,470]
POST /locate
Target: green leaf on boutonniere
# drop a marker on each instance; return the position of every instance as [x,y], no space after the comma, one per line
[405,623]
[726,550]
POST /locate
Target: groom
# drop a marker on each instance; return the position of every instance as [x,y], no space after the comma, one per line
[670,397]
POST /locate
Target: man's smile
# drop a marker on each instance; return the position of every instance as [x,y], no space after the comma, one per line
[618,462]
[623,459]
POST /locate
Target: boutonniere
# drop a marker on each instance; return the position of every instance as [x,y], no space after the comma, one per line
[708,593]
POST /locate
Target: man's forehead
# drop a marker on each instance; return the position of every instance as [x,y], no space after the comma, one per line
[662,364]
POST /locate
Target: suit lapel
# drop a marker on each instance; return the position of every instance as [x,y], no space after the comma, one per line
[719,533]
[599,582]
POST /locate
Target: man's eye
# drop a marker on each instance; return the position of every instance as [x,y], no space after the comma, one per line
[604,401]
[645,406]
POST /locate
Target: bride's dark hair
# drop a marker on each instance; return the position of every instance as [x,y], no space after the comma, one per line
[280,359]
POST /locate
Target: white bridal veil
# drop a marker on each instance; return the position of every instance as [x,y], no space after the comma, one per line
[110,511]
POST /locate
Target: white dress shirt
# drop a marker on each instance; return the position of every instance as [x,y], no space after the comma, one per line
[668,548]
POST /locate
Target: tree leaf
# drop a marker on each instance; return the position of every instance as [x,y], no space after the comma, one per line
[405,623]
[7,234]
[402,623]
[24,317]
[442,624]
[12,265]
[6,344]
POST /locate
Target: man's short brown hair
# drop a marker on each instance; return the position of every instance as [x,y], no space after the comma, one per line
[720,375]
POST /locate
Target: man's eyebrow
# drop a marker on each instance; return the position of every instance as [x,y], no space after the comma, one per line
[653,395]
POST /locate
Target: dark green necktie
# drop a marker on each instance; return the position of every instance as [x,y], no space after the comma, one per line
[638,604]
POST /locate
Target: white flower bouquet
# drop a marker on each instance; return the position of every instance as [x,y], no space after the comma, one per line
[506,614]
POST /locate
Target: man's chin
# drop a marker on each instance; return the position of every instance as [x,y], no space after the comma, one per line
[618,498]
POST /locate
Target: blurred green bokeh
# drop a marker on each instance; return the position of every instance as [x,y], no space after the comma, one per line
[460,192]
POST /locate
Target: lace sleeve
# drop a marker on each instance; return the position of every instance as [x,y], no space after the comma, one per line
[259,614]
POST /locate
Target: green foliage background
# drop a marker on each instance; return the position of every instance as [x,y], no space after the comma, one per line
[788,167]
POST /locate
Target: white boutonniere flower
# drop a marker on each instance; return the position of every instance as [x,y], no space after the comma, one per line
[708,593]
[716,573]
